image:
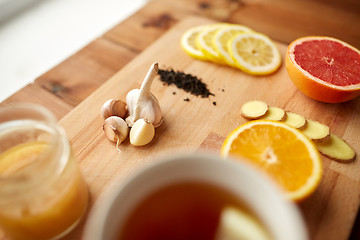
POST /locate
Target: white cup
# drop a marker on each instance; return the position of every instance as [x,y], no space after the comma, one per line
[280,217]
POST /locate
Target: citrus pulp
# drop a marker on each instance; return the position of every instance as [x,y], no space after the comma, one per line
[188,42]
[282,151]
[324,68]
[254,53]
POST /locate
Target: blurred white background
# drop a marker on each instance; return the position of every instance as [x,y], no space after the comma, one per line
[36,35]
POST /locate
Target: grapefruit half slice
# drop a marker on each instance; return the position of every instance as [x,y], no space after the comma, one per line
[324,68]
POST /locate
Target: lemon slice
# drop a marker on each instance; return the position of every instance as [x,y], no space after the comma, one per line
[188,42]
[237,224]
[223,36]
[204,42]
[254,53]
[18,158]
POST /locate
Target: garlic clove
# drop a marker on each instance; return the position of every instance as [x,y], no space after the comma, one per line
[131,101]
[142,132]
[116,129]
[149,109]
[113,107]
[142,103]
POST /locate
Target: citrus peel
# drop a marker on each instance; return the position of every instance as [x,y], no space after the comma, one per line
[326,142]
[204,42]
[281,151]
[223,36]
[234,45]
[254,53]
[324,68]
[188,42]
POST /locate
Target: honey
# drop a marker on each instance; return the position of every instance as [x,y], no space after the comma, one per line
[42,192]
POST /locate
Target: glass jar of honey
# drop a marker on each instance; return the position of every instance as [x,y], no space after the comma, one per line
[42,192]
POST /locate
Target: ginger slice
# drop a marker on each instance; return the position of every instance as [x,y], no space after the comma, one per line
[295,120]
[254,109]
[337,149]
[275,114]
[316,131]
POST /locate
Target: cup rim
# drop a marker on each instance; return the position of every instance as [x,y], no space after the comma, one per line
[98,216]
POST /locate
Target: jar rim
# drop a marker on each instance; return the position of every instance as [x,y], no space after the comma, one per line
[57,141]
[28,110]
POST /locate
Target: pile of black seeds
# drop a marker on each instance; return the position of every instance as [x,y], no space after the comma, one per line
[187,82]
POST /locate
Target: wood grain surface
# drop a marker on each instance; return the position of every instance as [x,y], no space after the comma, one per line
[194,124]
[66,85]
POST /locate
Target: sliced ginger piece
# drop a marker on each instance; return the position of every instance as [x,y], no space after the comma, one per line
[275,114]
[316,131]
[337,149]
[295,120]
[254,109]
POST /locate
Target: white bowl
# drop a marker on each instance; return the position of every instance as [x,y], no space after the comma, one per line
[281,217]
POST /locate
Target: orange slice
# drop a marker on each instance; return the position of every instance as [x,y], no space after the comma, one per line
[280,150]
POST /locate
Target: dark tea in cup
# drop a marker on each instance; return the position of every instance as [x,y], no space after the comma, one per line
[194,196]
[192,211]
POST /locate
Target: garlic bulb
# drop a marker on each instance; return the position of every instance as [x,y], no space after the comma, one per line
[116,130]
[113,107]
[142,103]
[142,132]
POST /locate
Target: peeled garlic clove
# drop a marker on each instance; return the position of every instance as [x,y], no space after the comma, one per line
[113,107]
[116,129]
[142,132]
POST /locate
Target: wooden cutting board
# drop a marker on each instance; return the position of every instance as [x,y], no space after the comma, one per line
[200,124]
